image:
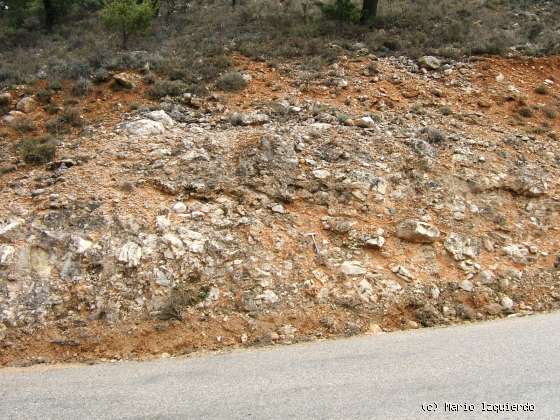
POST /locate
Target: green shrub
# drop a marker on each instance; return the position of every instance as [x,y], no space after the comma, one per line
[542,90]
[171,88]
[44,96]
[341,10]
[127,17]
[231,82]
[37,150]
[101,76]
[55,85]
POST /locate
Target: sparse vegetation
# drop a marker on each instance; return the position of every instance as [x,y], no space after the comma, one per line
[190,45]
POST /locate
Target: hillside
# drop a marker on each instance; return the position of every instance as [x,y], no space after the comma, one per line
[375,193]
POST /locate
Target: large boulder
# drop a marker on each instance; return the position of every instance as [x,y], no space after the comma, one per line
[27,105]
[417,231]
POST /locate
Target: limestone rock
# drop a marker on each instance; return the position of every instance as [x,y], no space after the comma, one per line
[416,231]
[7,253]
[145,128]
[518,253]
[251,118]
[125,80]
[27,105]
[131,254]
[461,247]
[364,122]
[351,268]
[162,117]
[430,62]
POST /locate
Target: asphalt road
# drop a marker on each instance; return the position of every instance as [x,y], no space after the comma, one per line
[389,376]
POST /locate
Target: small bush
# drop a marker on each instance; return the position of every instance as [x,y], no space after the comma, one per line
[101,76]
[343,118]
[24,125]
[44,96]
[71,116]
[418,109]
[231,82]
[52,109]
[542,90]
[171,88]
[56,126]
[81,88]
[55,85]
[37,150]
[433,135]
[525,112]
[134,106]
[550,113]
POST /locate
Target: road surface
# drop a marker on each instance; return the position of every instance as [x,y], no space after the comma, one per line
[404,375]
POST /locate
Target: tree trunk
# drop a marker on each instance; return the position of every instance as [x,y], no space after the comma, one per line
[50,14]
[233,3]
[124,40]
[369,10]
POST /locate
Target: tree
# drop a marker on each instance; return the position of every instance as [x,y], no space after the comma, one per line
[16,11]
[127,17]
[50,14]
[369,10]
